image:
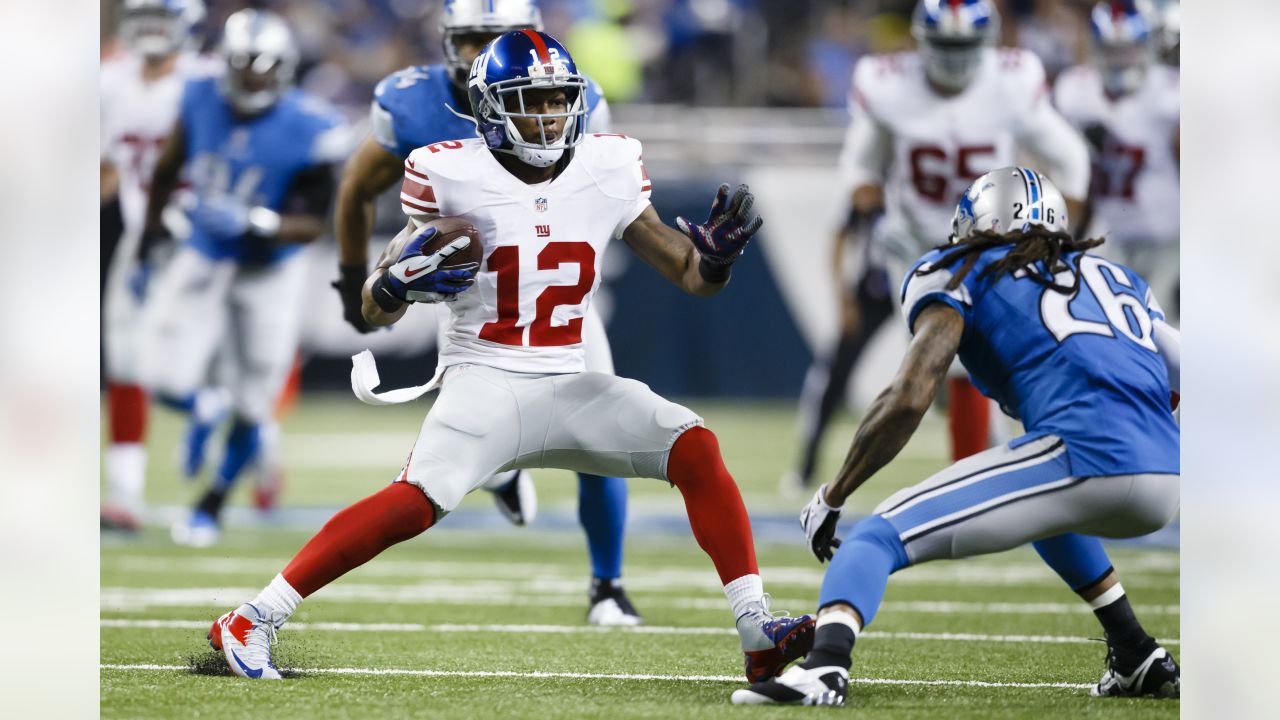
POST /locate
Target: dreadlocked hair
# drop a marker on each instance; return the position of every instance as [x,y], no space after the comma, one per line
[1031,246]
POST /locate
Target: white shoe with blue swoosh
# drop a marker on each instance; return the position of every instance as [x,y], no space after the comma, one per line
[245,637]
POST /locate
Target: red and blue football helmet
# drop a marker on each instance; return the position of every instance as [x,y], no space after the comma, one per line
[1123,43]
[511,64]
[951,35]
[156,28]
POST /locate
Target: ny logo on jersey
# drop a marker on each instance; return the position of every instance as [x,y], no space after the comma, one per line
[543,230]
[540,204]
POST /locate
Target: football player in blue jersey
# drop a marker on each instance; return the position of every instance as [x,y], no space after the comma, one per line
[259,156]
[1075,347]
[426,104]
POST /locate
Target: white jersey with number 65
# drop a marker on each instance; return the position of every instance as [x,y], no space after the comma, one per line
[925,148]
[543,245]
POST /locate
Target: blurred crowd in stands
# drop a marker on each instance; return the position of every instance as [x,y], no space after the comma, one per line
[781,53]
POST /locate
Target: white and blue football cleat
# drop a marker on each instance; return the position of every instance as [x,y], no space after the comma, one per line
[1156,676]
[199,529]
[516,497]
[770,643]
[244,636]
[823,686]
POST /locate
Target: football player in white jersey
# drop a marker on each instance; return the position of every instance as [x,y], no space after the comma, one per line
[1126,104]
[546,197]
[924,125]
[139,102]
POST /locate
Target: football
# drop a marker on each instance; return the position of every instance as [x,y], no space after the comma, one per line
[449,229]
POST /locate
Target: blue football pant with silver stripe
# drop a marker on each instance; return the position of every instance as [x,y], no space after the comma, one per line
[994,501]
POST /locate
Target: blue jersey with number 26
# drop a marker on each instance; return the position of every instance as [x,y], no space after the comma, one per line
[1083,367]
[254,159]
[411,109]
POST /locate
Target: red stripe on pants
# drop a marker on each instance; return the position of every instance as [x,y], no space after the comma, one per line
[969,419]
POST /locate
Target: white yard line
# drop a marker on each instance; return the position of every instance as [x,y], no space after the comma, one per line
[543,593]
[608,676]
[533,629]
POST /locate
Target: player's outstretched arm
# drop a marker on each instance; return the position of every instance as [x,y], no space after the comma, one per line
[164,180]
[369,173]
[697,258]
[894,416]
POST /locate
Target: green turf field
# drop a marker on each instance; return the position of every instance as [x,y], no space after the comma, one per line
[489,623]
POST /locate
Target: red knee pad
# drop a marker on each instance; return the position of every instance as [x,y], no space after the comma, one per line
[126,412]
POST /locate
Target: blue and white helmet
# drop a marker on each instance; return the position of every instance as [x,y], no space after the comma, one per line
[513,63]
[481,17]
[1011,199]
[1123,43]
[951,35]
[155,28]
[261,58]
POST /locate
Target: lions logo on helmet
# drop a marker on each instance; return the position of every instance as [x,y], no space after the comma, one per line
[156,28]
[1122,39]
[951,35]
[510,65]
[1011,199]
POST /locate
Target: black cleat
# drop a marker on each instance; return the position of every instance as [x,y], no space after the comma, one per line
[1156,676]
[798,686]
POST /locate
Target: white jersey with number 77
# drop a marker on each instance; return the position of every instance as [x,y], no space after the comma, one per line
[543,245]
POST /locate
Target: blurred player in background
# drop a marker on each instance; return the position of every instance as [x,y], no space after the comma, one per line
[426,104]
[1078,348]
[139,102]
[1169,32]
[924,125]
[546,197]
[1126,104]
[258,154]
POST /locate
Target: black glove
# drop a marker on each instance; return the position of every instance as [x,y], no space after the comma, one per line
[349,284]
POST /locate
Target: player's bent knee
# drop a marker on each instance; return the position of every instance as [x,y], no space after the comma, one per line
[1153,502]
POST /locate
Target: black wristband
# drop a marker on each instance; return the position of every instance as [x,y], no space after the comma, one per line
[714,272]
[382,295]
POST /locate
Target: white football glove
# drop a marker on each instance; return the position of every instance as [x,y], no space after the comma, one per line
[819,522]
[417,277]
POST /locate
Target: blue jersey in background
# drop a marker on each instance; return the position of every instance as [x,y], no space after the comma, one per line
[254,159]
[409,110]
[1083,367]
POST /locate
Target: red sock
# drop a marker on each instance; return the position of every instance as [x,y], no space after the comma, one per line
[355,535]
[126,412]
[969,419]
[711,498]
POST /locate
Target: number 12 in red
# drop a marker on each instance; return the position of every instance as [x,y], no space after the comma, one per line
[505,261]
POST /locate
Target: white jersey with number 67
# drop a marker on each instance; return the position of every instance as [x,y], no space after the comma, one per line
[925,148]
[543,245]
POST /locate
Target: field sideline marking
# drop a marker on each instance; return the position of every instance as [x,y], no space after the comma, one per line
[532,629]
[610,676]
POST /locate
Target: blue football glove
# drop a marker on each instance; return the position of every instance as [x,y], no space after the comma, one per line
[723,237]
[224,217]
[415,277]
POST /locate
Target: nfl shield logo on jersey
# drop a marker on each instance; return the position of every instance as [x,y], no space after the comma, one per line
[540,204]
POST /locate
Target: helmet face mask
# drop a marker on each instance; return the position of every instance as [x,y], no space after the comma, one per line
[467,26]
[159,28]
[951,35]
[1009,200]
[504,88]
[261,60]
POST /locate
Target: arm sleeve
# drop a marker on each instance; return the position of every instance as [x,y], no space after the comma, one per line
[417,196]
[1049,137]
[1169,343]
[868,147]
[640,178]
[920,290]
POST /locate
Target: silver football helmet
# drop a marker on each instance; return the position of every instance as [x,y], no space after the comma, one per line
[481,17]
[951,35]
[261,59]
[1010,199]
[156,28]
